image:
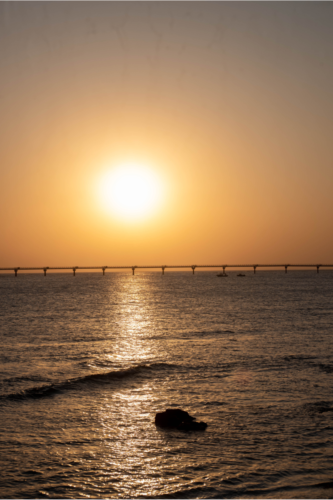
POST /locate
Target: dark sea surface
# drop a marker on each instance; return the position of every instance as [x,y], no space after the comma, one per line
[86,362]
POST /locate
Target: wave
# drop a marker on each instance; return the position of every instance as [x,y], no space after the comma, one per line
[86,380]
[318,407]
[325,485]
[24,378]
[212,332]
[193,335]
[324,367]
[299,490]
[234,489]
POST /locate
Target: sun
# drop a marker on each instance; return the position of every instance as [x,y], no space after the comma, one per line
[130,191]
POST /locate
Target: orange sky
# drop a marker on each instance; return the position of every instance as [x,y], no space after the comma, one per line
[230,104]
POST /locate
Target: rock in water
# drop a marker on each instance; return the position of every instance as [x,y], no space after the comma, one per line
[192,426]
[178,419]
[172,418]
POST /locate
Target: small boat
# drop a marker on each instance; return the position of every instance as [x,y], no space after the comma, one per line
[222,275]
[241,275]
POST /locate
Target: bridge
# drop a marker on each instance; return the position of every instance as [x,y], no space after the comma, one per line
[163,268]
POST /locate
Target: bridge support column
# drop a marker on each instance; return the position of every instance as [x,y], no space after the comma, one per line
[193,267]
[285,269]
[223,269]
[254,269]
[318,269]
[103,269]
[74,270]
[45,269]
[133,269]
[15,271]
[163,267]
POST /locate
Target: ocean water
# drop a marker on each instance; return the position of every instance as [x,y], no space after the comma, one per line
[87,361]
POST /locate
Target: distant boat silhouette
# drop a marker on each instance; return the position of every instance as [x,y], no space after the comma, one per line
[222,275]
[241,275]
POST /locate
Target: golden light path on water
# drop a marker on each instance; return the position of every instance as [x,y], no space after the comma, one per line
[134,320]
[135,345]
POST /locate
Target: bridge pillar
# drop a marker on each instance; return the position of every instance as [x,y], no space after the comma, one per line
[103,269]
[163,267]
[133,269]
[318,268]
[285,269]
[45,269]
[223,269]
[74,270]
[193,267]
[15,271]
[254,269]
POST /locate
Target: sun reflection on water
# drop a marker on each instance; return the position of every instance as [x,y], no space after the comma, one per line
[134,319]
[127,433]
[129,455]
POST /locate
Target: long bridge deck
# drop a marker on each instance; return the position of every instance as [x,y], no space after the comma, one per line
[191,267]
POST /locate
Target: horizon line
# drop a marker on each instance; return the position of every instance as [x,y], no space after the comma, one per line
[163,267]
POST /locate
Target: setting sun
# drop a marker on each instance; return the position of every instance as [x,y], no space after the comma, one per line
[130,191]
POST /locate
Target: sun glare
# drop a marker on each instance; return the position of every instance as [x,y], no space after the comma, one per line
[130,191]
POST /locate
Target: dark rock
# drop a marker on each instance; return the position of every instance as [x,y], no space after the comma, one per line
[172,418]
[178,419]
[192,426]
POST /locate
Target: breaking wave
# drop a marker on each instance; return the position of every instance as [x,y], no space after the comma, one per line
[92,378]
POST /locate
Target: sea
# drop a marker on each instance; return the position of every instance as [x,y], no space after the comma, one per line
[88,361]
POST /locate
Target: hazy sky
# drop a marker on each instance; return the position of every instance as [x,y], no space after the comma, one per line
[230,105]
